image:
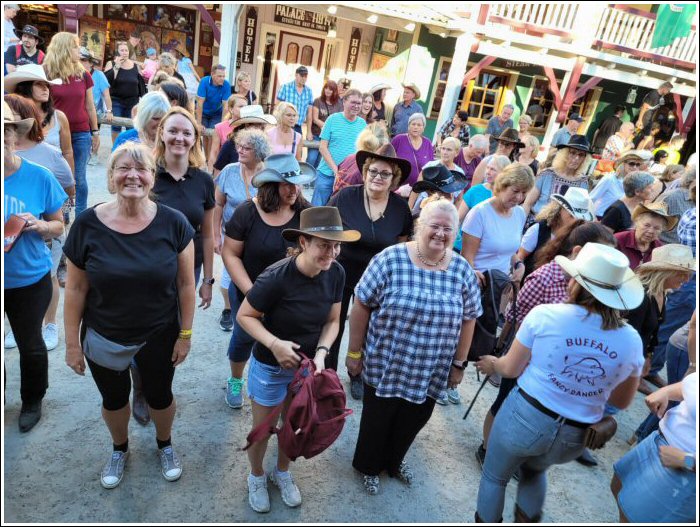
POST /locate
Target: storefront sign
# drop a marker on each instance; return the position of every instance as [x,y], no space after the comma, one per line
[354,49]
[251,27]
[293,16]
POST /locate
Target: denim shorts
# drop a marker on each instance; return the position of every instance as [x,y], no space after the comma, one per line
[210,121]
[267,385]
[55,245]
[651,492]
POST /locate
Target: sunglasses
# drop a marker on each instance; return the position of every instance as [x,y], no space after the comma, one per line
[633,164]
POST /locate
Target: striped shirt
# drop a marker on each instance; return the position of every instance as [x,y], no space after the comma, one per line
[288,93]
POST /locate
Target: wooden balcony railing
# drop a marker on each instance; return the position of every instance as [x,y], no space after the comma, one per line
[557,19]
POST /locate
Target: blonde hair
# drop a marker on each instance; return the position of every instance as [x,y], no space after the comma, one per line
[499,161]
[559,163]
[372,137]
[525,117]
[282,108]
[230,103]
[58,62]
[139,153]
[196,155]
[454,142]
[654,280]
[160,77]
[549,213]
[242,75]
[669,171]
[531,140]
[514,175]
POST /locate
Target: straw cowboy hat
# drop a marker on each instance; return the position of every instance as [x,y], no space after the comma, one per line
[576,202]
[26,73]
[658,209]
[385,153]
[670,257]
[381,86]
[511,135]
[642,155]
[253,114]
[284,168]
[415,89]
[605,273]
[322,222]
[441,179]
[10,118]
[577,142]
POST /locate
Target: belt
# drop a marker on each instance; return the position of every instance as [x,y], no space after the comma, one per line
[538,405]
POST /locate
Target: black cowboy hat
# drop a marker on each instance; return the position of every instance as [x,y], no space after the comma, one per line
[385,153]
[31,31]
[322,222]
[511,135]
[440,178]
[578,142]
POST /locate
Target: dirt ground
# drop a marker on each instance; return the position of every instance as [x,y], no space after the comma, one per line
[51,474]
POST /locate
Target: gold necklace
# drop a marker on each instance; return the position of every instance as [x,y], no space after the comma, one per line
[426,262]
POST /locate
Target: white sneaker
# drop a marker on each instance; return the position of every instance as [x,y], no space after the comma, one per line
[10,341]
[113,471]
[290,492]
[50,334]
[170,463]
[258,497]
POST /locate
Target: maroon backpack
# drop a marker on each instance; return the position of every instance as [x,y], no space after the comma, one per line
[315,418]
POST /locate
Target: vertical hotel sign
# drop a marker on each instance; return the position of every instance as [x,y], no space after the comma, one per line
[251,26]
[354,49]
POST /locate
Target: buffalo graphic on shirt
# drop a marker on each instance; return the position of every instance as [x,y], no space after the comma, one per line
[588,369]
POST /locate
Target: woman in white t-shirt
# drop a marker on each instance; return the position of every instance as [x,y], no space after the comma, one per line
[656,481]
[570,359]
[492,230]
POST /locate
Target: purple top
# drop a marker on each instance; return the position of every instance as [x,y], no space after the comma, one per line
[417,158]
[468,168]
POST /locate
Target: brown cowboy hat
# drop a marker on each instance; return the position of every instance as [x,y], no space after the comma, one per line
[511,135]
[385,153]
[657,209]
[322,222]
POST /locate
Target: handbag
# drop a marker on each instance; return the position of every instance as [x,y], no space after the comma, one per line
[600,433]
[107,353]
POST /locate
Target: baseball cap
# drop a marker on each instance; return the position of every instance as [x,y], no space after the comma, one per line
[302,70]
[576,117]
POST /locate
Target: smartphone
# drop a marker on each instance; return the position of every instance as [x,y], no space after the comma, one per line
[14,227]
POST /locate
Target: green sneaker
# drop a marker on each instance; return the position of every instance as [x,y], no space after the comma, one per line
[234,395]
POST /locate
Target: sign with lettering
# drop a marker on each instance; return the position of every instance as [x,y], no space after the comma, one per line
[251,27]
[354,49]
[294,16]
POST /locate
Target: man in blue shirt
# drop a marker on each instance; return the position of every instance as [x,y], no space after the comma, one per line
[564,134]
[212,94]
[404,110]
[338,139]
[299,94]
[497,125]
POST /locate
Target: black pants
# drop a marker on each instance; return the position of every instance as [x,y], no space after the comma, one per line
[155,365]
[388,428]
[332,359]
[25,308]
[504,390]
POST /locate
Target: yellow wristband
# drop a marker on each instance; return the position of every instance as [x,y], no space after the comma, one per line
[354,355]
[185,334]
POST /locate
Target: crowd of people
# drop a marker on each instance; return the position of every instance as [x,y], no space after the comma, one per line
[401,237]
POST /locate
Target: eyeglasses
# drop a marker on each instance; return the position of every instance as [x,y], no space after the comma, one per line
[354,103]
[633,164]
[244,148]
[127,170]
[439,228]
[384,174]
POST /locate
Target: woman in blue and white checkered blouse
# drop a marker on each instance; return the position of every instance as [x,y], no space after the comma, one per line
[410,331]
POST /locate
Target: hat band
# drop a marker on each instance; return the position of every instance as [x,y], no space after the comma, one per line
[319,229]
[291,173]
[606,286]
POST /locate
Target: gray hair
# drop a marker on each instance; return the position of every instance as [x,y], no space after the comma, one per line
[167,60]
[417,117]
[479,141]
[218,67]
[257,140]
[153,104]
[636,181]
[688,177]
[439,205]
[508,106]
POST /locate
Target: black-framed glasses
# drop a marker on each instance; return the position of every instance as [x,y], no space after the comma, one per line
[384,174]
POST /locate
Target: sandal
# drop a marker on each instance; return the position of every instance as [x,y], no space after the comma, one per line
[371,484]
[405,473]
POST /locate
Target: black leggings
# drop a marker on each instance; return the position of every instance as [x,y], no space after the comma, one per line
[155,365]
[388,427]
[504,389]
[25,308]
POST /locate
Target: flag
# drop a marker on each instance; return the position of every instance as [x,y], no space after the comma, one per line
[672,21]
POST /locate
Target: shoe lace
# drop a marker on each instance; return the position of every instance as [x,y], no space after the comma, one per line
[168,459]
[235,386]
[113,467]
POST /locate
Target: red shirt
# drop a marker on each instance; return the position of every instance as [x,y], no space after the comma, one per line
[546,285]
[627,245]
[69,97]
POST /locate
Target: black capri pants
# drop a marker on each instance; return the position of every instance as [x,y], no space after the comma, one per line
[155,365]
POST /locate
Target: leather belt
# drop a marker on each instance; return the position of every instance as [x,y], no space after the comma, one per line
[561,419]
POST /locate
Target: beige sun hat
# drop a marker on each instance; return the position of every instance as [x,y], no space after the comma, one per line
[9,118]
[605,273]
[670,257]
[253,114]
[411,86]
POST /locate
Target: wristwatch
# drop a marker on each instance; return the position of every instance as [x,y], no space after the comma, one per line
[689,462]
[94,132]
[459,364]
[208,281]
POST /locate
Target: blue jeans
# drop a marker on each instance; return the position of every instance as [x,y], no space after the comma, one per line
[677,364]
[679,308]
[210,121]
[241,344]
[523,437]
[82,146]
[313,158]
[119,109]
[322,190]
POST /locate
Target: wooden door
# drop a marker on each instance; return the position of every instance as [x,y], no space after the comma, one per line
[296,50]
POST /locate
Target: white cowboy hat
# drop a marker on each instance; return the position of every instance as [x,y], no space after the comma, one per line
[605,273]
[21,125]
[380,86]
[28,72]
[253,114]
[284,168]
[670,257]
[576,202]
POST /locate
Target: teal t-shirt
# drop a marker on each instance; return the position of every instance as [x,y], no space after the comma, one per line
[341,135]
[31,189]
[476,195]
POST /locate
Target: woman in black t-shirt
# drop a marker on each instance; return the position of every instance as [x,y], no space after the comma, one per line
[254,241]
[130,285]
[638,189]
[126,85]
[383,219]
[293,307]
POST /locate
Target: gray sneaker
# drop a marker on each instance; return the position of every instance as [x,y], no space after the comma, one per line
[113,471]
[234,395]
[453,396]
[170,463]
[290,492]
[258,498]
[442,401]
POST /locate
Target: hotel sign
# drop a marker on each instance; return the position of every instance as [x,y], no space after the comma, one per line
[293,16]
[251,22]
[354,49]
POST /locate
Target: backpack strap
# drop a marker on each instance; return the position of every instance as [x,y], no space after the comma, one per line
[18,51]
[265,429]
[41,57]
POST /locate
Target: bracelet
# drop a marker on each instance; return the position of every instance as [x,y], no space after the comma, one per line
[354,355]
[273,343]
[185,334]
[324,348]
